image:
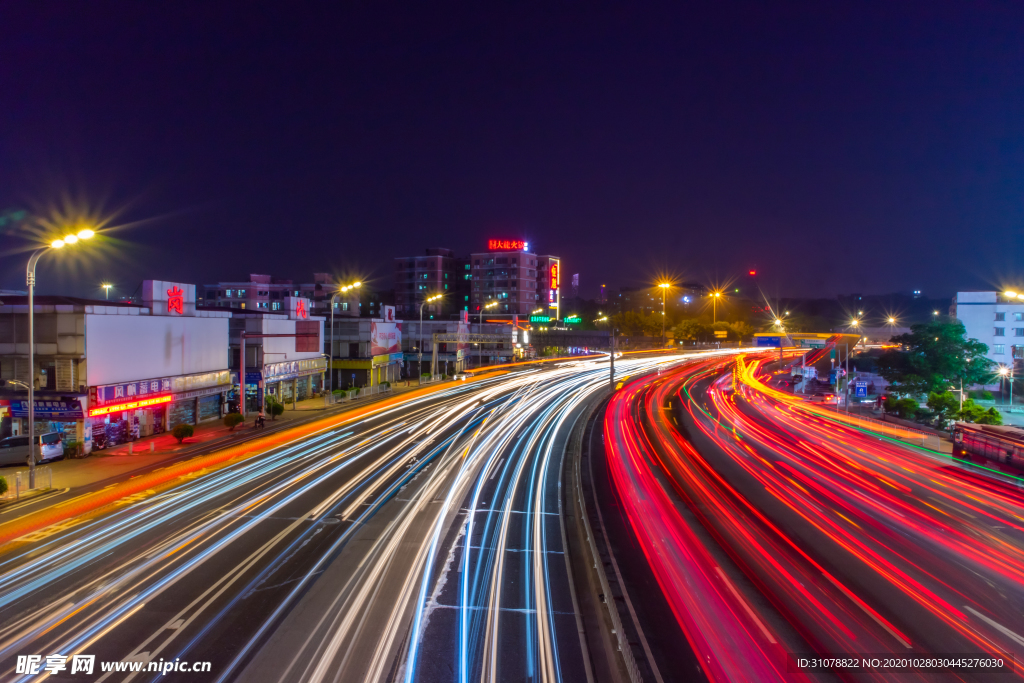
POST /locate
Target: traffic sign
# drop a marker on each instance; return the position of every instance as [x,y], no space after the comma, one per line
[860,389]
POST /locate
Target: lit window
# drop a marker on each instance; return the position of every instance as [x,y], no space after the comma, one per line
[275,305]
[998,349]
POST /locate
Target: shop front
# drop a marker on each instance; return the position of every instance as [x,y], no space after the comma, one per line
[123,412]
[65,416]
[295,380]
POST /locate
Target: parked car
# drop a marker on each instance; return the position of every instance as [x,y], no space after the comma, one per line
[14,449]
[463,375]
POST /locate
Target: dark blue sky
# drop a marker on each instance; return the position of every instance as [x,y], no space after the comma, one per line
[837,147]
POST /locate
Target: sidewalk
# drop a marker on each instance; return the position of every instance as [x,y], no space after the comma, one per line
[116,462]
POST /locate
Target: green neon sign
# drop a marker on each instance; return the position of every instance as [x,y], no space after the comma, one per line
[572,319]
[540,319]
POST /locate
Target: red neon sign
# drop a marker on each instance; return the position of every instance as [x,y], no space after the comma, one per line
[300,308]
[752,273]
[131,405]
[175,300]
[507,245]
[553,276]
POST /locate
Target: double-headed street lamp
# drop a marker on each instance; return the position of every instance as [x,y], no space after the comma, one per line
[715,296]
[664,292]
[30,280]
[419,359]
[480,324]
[343,289]
[106,289]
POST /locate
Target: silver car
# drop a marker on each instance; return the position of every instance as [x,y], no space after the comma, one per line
[14,449]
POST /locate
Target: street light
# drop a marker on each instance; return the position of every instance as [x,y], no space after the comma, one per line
[419,367]
[892,320]
[714,306]
[106,290]
[664,292]
[341,289]
[1007,372]
[30,280]
[480,324]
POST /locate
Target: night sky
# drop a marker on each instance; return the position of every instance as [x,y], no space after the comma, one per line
[836,147]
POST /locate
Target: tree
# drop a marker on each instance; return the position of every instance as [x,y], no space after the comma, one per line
[901,407]
[945,405]
[932,357]
[628,323]
[182,432]
[692,330]
[232,420]
[972,412]
[275,407]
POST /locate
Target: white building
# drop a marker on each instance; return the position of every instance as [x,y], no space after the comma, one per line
[996,320]
[114,371]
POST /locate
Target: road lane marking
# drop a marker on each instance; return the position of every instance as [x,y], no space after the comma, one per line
[750,612]
[996,625]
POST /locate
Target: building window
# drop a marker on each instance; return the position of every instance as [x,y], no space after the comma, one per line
[227,292]
[1019,317]
[241,293]
[275,305]
[1000,317]
[998,349]
[1000,332]
[1018,332]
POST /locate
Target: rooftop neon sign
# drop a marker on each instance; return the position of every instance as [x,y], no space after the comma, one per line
[508,245]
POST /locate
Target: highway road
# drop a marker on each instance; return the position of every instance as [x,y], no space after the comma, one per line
[774,527]
[339,556]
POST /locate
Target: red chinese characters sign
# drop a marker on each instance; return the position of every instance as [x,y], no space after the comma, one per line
[553,280]
[300,309]
[507,245]
[175,300]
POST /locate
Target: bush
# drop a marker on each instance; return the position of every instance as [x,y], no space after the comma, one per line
[182,432]
[902,407]
[274,409]
[425,375]
[385,385]
[3,485]
[981,395]
[232,420]
[336,392]
[353,392]
[990,417]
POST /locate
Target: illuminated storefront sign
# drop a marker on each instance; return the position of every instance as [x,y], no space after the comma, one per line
[175,300]
[130,391]
[572,319]
[540,318]
[131,405]
[508,245]
[553,279]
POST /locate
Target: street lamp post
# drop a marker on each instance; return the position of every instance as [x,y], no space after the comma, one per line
[330,366]
[664,292]
[106,290]
[419,359]
[30,280]
[714,307]
[480,324]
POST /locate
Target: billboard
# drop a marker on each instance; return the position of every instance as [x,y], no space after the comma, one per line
[385,338]
[463,337]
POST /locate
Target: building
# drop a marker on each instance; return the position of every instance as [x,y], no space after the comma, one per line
[438,271]
[518,279]
[284,353]
[107,372]
[265,293]
[996,319]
